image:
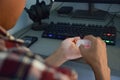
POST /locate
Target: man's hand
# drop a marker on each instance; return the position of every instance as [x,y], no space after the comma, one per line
[96,57]
[69,48]
[67,51]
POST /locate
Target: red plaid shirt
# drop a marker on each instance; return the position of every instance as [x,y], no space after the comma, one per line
[18,63]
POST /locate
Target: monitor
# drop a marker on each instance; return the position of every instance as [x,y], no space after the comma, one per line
[91,13]
[92,1]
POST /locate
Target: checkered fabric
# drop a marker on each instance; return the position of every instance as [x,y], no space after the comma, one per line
[19,63]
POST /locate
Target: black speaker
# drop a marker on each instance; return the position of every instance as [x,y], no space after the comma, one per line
[37,12]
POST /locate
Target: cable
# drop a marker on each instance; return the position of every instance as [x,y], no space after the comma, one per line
[109,7]
[19,36]
[58,6]
[118,32]
[117,12]
[111,20]
[108,10]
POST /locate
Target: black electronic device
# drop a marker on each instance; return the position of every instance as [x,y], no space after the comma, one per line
[92,12]
[65,10]
[37,12]
[91,1]
[65,30]
[29,40]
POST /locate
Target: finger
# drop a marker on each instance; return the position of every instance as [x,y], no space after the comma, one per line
[82,49]
[100,40]
[77,38]
[68,41]
[71,40]
[92,39]
[74,75]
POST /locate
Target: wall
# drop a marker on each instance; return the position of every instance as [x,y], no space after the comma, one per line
[25,21]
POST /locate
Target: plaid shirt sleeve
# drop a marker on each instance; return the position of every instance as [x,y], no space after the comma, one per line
[18,63]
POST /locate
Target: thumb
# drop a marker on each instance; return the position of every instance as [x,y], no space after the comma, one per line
[82,49]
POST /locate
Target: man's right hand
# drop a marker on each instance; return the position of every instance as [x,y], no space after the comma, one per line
[96,57]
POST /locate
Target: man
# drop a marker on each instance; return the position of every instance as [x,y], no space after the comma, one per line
[17,62]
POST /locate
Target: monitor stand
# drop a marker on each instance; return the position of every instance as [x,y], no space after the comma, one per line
[39,26]
[91,13]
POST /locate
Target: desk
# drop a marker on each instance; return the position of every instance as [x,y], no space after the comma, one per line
[46,46]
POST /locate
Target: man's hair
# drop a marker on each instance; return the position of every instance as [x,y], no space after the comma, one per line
[10,10]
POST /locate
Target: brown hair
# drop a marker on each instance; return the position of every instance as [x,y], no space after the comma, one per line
[10,10]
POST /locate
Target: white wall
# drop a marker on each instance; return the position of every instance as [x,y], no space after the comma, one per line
[25,21]
[22,22]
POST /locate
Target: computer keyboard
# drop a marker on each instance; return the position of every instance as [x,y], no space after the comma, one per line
[65,30]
